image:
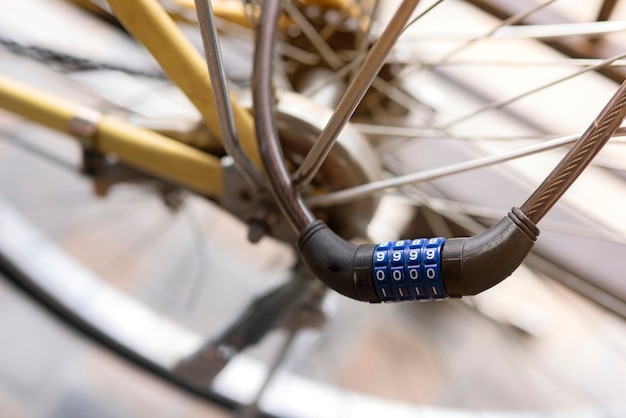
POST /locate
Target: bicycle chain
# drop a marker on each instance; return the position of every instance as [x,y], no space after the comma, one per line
[69,62]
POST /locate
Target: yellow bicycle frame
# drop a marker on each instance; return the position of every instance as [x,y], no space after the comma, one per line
[137,147]
[141,148]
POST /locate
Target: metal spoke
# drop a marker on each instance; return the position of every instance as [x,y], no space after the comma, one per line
[455,207]
[365,35]
[358,192]
[464,213]
[327,53]
[578,46]
[398,95]
[502,103]
[287,49]
[404,131]
[521,32]
[510,21]
[564,62]
[333,24]
[424,13]
[336,76]
[418,132]
[353,95]
[233,147]
[383,86]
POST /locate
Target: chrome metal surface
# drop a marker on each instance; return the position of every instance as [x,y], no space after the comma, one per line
[364,190]
[84,125]
[501,103]
[575,46]
[502,25]
[355,92]
[353,162]
[221,94]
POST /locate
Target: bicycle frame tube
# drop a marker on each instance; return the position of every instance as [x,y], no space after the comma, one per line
[233,10]
[140,148]
[156,30]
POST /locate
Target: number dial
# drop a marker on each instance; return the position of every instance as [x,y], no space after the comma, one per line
[409,270]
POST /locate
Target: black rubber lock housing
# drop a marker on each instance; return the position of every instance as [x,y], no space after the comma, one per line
[343,266]
[468,265]
[473,265]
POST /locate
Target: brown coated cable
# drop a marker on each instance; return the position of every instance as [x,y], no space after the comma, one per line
[578,158]
[264,109]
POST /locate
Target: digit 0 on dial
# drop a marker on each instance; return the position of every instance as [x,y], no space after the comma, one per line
[409,270]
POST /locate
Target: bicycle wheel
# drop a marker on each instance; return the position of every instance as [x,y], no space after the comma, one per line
[433,105]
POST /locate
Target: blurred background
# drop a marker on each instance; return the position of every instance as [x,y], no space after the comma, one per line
[531,344]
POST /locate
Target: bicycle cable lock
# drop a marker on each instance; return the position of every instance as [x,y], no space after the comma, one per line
[438,268]
[415,269]
[418,269]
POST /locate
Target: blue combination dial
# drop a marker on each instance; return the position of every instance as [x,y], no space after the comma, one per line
[409,270]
